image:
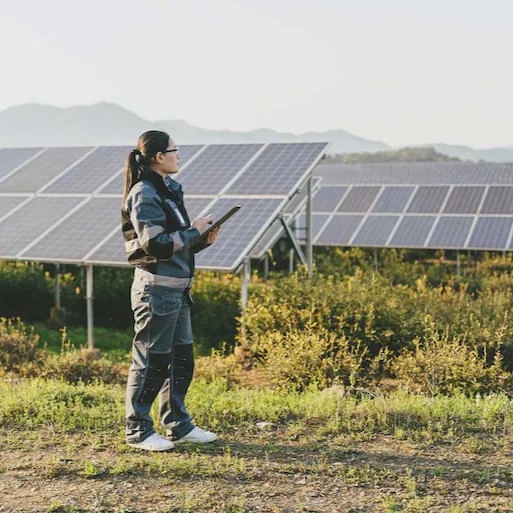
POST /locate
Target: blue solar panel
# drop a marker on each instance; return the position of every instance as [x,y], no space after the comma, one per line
[216,166]
[11,158]
[92,172]
[451,232]
[490,233]
[339,231]
[375,231]
[412,231]
[38,172]
[279,169]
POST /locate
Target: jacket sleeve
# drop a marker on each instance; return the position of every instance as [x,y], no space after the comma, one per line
[149,221]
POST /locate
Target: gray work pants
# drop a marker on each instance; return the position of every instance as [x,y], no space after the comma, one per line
[162,361]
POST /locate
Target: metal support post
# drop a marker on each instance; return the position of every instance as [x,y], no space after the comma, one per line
[293,241]
[246,276]
[266,266]
[376,259]
[57,286]
[309,229]
[458,264]
[89,299]
[291,261]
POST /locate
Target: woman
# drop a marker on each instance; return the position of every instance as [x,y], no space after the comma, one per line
[160,242]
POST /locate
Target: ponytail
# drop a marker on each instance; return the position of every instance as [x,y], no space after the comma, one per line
[131,173]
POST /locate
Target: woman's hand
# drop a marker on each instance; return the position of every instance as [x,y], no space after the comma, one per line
[201,223]
[212,236]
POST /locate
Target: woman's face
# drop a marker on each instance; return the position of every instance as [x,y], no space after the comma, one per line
[167,162]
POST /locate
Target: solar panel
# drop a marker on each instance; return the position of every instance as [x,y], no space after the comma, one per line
[56,232]
[464,200]
[417,173]
[498,200]
[327,198]
[393,199]
[375,231]
[238,235]
[490,233]
[196,206]
[11,158]
[339,230]
[279,169]
[359,199]
[7,203]
[115,186]
[269,238]
[77,235]
[31,221]
[451,232]
[216,166]
[111,252]
[90,173]
[412,231]
[38,172]
[428,200]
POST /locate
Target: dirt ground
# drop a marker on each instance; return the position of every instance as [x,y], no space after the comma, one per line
[255,472]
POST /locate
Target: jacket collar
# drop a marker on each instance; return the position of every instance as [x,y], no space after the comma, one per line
[163,185]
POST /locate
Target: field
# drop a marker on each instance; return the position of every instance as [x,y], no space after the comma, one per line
[350,392]
[317,451]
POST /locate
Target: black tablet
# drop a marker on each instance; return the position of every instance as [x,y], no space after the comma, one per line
[222,220]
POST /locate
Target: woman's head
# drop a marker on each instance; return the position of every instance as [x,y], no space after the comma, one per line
[155,149]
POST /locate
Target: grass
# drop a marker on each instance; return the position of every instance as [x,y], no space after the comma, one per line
[319,451]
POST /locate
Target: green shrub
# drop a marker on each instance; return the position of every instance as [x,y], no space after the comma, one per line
[439,364]
[313,356]
[216,308]
[19,349]
[74,365]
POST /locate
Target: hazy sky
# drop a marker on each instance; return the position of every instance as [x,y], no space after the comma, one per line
[399,71]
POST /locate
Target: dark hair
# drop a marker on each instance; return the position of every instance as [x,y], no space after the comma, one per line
[148,145]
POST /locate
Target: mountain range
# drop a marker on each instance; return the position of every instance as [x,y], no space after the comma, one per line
[103,124]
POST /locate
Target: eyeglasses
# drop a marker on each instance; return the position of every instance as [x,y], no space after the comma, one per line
[169,151]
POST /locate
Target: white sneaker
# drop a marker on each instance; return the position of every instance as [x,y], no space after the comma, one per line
[154,442]
[197,436]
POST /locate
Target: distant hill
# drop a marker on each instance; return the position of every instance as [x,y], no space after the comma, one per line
[110,124]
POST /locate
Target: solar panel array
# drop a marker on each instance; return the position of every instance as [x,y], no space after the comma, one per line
[449,205]
[63,204]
